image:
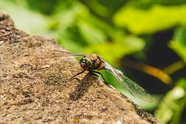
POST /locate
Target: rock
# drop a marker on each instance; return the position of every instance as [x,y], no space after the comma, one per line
[35,85]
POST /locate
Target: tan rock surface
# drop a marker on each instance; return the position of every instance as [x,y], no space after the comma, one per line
[34,85]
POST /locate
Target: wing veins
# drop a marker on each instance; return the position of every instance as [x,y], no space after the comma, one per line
[143,94]
[119,79]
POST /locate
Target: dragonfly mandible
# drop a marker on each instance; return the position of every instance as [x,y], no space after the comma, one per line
[92,62]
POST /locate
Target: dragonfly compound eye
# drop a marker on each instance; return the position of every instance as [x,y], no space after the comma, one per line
[85,63]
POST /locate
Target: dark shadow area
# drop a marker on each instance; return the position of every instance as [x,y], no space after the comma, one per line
[83,86]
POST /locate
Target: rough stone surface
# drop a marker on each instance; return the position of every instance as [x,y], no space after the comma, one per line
[35,85]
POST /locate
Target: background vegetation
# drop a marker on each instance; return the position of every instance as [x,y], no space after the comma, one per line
[146,39]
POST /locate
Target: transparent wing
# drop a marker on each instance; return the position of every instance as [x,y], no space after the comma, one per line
[72,54]
[59,53]
[131,86]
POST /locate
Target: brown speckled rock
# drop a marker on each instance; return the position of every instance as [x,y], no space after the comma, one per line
[35,86]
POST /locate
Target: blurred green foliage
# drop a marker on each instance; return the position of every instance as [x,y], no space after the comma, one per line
[156,18]
[151,34]
[171,108]
[178,44]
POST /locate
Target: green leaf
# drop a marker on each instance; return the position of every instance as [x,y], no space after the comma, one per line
[24,18]
[155,19]
[114,51]
[172,105]
[179,48]
[90,33]
[180,35]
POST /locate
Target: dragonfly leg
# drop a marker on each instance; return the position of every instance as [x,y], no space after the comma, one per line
[104,81]
[76,75]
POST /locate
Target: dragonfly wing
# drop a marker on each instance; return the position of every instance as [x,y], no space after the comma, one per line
[75,54]
[59,53]
[130,85]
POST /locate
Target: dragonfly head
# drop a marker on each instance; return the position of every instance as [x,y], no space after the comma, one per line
[86,63]
[92,62]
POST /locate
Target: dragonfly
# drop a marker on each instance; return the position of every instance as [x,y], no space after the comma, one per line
[92,62]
